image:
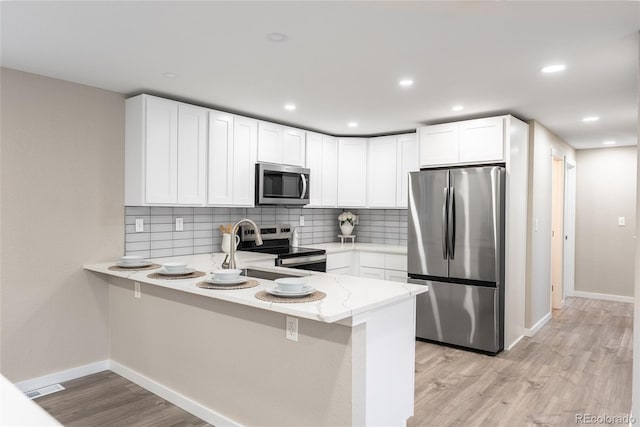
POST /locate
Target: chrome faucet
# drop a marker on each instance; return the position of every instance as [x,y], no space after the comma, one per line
[234,230]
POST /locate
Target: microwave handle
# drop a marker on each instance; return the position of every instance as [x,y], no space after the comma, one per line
[304,185]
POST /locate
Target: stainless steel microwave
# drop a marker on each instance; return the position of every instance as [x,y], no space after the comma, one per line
[281,184]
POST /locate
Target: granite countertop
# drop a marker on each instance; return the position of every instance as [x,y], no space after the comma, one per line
[347,296]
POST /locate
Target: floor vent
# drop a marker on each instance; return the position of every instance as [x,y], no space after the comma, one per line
[34,394]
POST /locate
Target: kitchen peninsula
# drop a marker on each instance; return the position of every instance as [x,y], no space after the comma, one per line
[223,355]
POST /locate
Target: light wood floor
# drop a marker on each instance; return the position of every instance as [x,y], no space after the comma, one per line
[580,362]
[107,399]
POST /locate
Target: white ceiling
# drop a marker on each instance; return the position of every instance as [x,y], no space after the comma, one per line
[343,60]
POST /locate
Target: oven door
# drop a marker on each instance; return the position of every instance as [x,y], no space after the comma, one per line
[311,263]
[281,184]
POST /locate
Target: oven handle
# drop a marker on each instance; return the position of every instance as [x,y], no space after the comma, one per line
[292,262]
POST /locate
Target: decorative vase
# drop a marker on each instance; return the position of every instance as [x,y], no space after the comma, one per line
[226,242]
[346,228]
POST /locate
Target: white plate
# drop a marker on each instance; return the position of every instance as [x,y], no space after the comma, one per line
[307,290]
[236,281]
[176,273]
[143,263]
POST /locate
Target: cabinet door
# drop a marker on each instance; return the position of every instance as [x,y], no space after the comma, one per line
[293,147]
[161,151]
[395,276]
[407,162]
[372,273]
[329,171]
[347,271]
[192,149]
[220,158]
[352,172]
[381,179]
[314,163]
[482,140]
[245,150]
[270,140]
[438,144]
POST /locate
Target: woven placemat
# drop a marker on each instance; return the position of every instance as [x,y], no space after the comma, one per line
[248,284]
[149,267]
[265,296]
[193,275]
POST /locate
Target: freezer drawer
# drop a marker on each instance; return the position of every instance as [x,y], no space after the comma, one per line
[463,315]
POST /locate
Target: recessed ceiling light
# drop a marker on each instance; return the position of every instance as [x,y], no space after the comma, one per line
[170,75]
[277,37]
[554,68]
[352,124]
[405,82]
[289,107]
[609,143]
[457,108]
[590,119]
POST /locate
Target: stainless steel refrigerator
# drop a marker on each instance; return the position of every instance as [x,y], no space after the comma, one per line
[456,247]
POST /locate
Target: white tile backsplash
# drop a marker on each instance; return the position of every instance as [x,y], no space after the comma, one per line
[201,232]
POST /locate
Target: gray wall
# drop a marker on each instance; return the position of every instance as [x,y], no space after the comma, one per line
[538,285]
[202,235]
[606,190]
[61,206]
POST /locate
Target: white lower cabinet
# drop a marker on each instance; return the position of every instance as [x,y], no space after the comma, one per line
[372,273]
[395,276]
[341,263]
[382,266]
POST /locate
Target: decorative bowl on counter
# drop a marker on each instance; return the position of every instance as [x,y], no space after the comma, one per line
[291,284]
[227,274]
[175,267]
[131,259]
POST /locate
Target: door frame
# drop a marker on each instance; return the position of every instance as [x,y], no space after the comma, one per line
[569,252]
[557,155]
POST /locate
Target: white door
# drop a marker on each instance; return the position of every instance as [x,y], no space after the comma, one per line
[352,172]
[161,151]
[438,144]
[245,151]
[557,232]
[382,164]
[482,140]
[293,147]
[569,229]
[270,140]
[192,149]
[407,162]
[314,163]
[220,158]
[329,171]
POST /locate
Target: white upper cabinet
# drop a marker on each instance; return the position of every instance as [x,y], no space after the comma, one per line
[382,168]
[482,140]
[466,142]
[314,163]
[329,171]
[232,158]
[407,162]
[279,144]
[439,144]
[221,145]
[245,151]
[352,172]
[165,152]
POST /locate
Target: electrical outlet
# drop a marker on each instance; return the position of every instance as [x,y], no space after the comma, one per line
[179,224]
[301,221]
[621,221]
[136,290]
[291,332]
[139,225]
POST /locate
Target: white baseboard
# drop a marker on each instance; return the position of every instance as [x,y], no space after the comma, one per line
[513,344]
[174,397]
[62,376]
[529,332]
[606,297]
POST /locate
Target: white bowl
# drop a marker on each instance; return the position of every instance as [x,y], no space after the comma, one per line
[131,259]
[174,267]
[291,284]
[227,274]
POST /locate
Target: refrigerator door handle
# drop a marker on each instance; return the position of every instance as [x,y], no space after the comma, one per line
[451,245]
[445,203]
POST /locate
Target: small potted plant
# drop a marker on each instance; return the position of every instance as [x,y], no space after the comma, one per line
[346,220]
